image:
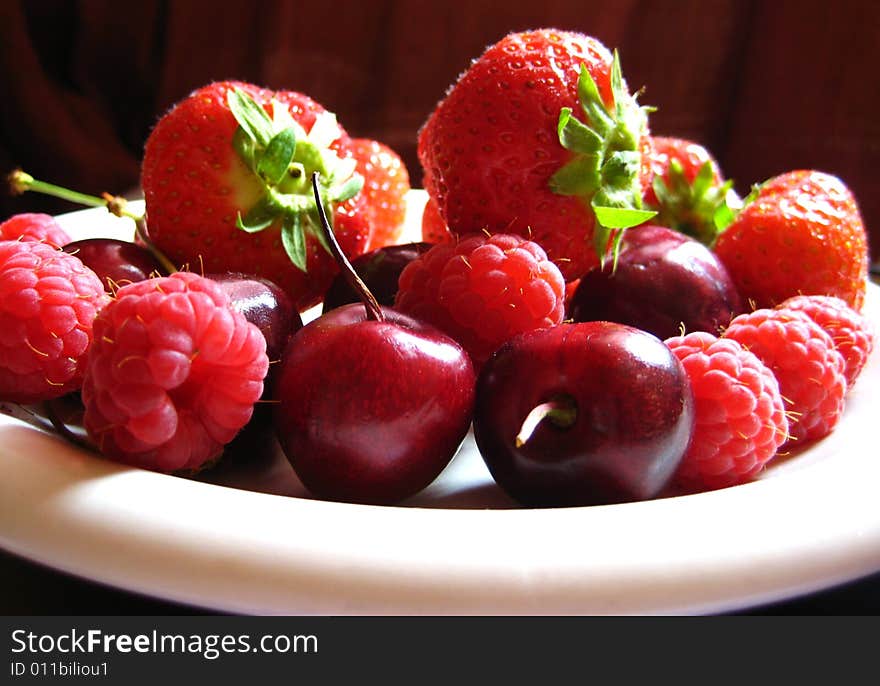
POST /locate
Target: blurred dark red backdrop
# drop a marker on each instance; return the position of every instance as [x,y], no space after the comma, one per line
[766,85]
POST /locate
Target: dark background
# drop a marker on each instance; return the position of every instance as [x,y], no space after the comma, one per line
[767,85]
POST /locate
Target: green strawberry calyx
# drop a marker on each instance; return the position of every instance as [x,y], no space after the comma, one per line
[605,168]
[283,155]
[701,208]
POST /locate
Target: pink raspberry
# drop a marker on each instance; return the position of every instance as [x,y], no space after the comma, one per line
[32,226]
[481,290]
[809,369]
[850,331]
[173,374]
[740,416]
[48,301]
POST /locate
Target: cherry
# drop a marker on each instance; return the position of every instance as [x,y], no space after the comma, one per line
[264,305]
[583,414]
[116,262]
[379,270]
[663,281]
[372,404]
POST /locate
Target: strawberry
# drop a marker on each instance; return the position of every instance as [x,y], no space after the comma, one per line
[800,233]
[540,137]
[386,183]
[226,176]
[688,190]
[434,229]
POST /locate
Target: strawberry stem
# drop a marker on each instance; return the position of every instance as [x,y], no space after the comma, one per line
[561,411]
[20,182]
[371,305]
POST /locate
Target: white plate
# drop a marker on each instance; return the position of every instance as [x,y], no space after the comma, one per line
[460,547]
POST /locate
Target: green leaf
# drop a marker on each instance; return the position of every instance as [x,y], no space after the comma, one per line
[579,177]
[591,102]
[724,213]
[620,170]
[250,116]
[661,190]
[753,194]
[703,180]
[245,147]
[601,236]
[311,157]
[294,240]
[340,169]
[618,87]
[575,135]
[276,159]
[621,217]
[347,190]
[259,217]
[723,217]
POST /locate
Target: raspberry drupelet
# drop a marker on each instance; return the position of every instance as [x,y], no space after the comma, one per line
[850,330]
[804,360]
[482,290]
[740,415]
[48,302]
[34,226]
[173,374]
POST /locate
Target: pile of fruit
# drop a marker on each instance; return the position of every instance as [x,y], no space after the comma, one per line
[594,301]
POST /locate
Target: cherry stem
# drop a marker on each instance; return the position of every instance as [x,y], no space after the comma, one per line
[20,182]
[371,305]
[561,411]
[140,228]
[51,413]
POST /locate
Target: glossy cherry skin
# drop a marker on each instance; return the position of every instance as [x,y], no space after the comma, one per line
[664,282]
[371,411]
[264,305]
[116,262]
[379,270]
[633,415]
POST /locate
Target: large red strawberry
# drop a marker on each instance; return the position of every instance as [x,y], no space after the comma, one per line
[801,234]
[226,176]
[688,190]
[386,183]
[540,137]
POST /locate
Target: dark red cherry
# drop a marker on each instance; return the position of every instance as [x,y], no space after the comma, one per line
[664,282]
[116,262]
[371,410]
[379,270]
[583,414]
[264,305]
[372,404]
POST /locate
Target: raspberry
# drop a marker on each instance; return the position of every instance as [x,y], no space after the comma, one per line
[173,374]
[48,301]
[809,369]
[849,330]
[32,226]
[740,415]
[481,290]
